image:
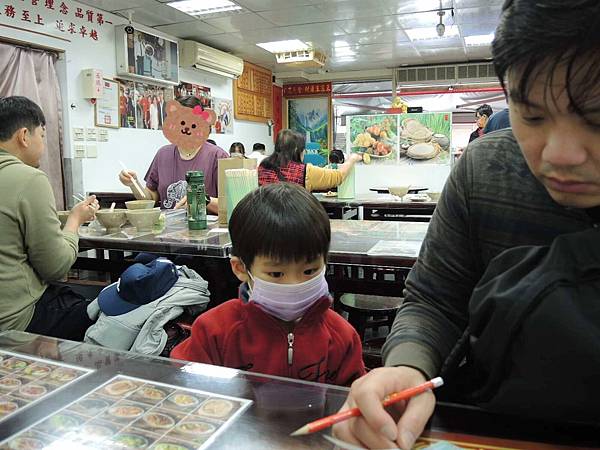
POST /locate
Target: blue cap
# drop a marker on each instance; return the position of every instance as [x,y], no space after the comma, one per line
[139,284]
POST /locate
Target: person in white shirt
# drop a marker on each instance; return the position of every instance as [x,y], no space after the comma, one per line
[258,152]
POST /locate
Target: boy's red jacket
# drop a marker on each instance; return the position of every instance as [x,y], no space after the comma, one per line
[321,347]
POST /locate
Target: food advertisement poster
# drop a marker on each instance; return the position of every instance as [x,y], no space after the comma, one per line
[25,380]
[311,117]
[128,412]
[407,139]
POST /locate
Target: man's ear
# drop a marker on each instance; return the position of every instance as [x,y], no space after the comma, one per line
[239,269]
[23,137]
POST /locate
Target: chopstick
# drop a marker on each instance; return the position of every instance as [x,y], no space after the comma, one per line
[137,187]
[329,421]
[78,197]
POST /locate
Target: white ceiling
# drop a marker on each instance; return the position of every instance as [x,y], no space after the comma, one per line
[355,34]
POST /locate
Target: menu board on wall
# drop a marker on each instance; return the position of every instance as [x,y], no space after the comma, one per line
[253,94]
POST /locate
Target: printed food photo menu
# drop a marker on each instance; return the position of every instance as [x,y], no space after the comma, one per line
[134,413]
[25,380]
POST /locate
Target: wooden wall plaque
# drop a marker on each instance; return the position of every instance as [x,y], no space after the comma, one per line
[253,94]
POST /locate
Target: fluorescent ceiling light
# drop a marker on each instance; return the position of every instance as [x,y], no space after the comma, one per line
[284,46]
[202,7]
[430,33]
[480,39]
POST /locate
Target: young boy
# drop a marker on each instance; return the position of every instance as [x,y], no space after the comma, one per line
[281,324]
[33,249]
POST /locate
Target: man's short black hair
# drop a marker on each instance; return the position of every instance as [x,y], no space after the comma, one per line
[16,113]
[282,221]
[258,146]
[541,36]
[484,110]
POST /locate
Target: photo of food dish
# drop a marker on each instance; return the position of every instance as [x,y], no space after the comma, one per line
[90,406]
[8,407]
[26,443]
[9,383]
[196,427]
[36,370]
[60,423]
[158,420]
[120,388]
[170,445]
[184,400]
[218,408]
[376,136]
[32,390]
[130,440]
[126,411]
[13,364]
[94,432]
[64,374]
[151,393]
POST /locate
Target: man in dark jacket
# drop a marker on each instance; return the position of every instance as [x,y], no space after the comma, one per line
[524,186]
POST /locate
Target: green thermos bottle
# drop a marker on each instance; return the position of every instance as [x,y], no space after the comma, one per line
[196,200]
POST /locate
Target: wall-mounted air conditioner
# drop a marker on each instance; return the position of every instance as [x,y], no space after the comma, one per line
[203,57]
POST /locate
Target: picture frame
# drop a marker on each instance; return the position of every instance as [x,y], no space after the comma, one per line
[312,117]
[146,57]
[107,112]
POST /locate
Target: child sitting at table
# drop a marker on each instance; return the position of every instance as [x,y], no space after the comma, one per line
[282,323]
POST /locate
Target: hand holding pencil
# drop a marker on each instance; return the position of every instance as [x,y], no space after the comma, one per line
[375,427]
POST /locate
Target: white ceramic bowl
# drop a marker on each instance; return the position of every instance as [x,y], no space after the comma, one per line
[111,220]
[143,219]
[140,204]
[399,191]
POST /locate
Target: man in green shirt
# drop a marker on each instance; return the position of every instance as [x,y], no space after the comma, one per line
[34,251]
[524,186]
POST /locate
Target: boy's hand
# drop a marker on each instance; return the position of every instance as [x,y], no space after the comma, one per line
[376,428]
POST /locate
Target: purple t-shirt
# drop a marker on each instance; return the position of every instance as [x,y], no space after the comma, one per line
[166,174]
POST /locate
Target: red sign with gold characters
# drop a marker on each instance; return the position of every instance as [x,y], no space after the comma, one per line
[306,89]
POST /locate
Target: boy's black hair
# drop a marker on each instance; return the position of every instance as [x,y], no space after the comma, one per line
[189,101]
[288,147]
[541,36]
[282,221]
[16,113]
[258,146]
[484,110]
[211,141]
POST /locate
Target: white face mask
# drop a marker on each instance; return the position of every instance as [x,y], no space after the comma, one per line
[288,301]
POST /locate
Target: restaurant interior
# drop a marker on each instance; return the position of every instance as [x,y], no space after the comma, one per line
[367,112]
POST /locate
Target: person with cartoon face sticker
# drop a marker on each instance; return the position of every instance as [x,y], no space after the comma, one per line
[187,127]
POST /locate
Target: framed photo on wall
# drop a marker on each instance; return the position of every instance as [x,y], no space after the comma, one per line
[311,116]
[107,108]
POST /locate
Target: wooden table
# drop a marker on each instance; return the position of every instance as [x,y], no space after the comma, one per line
[277,406]
[377,207]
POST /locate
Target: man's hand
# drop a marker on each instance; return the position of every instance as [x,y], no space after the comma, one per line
[376,428]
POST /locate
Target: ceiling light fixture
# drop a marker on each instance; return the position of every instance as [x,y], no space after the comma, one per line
[422,34]
[204,7]
[479,39]
[284,46]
